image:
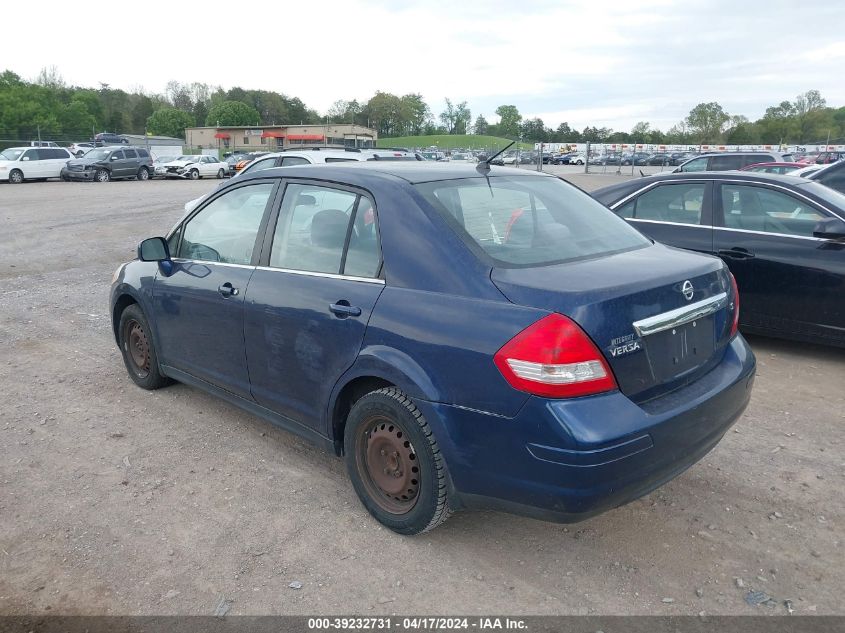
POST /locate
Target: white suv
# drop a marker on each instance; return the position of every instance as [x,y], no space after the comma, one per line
[32,163]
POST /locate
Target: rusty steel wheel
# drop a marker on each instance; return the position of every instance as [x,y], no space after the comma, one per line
[394,462]
[137,347]
[388,464]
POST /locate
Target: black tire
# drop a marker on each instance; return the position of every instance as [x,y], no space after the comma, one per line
[194,175]
[16,176]
[143,174]
[220,174]
[102,175]
[387,418]
[138,350]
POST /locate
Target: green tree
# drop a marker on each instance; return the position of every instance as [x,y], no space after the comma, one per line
[232,113]
[706,122]
[509,120]
[481,126]
[171,122]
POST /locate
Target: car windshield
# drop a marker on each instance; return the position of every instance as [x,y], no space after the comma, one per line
[164,159]
[11,154]
[529,221]
[190,157]
[97,154]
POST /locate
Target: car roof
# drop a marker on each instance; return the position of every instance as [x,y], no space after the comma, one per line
[411,171]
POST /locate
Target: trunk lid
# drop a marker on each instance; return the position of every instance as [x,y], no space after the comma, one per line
[656,333]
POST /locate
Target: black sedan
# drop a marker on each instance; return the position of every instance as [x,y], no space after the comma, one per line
[783,238]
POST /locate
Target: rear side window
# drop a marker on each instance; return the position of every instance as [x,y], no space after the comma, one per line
[529,221]
[326,230]
[340,160]
[728,163]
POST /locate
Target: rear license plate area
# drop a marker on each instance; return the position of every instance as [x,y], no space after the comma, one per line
[679,349]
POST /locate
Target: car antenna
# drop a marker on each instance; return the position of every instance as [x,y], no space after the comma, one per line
[484,165]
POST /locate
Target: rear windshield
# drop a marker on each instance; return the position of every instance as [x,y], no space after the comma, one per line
[529,221]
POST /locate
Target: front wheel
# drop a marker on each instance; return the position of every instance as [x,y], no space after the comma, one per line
[102,175]
[16,176]
[143,174]
[139,353]
[220,173]
[395,464]
[194,175]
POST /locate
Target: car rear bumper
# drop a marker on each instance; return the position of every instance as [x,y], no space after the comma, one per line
[567,460]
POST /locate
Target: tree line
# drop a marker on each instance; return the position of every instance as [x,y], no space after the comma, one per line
[49,107]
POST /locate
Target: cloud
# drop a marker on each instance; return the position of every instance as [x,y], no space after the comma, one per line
[597,63]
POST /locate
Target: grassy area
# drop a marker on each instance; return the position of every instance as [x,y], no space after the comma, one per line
[450,141]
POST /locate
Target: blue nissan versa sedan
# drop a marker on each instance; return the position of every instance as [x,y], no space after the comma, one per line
[465,338]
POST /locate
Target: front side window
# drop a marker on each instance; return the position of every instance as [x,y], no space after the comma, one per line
[288,161]
[30,154]
[698,164]
[766,210]
[680,204]
[260,165]
[117,155]
[529,221]
[326,230]
[226,228]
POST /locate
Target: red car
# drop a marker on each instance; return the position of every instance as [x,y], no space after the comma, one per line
[774,168]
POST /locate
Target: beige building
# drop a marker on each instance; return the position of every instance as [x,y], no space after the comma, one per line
[276,137]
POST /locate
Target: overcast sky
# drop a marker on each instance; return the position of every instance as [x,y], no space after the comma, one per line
[584,62]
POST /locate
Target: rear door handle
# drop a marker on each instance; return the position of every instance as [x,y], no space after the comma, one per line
[736,253]
[227,290]
[342,309]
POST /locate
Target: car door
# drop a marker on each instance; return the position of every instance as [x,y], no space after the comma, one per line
[789,281]
[677,213]
[117,161]
[208,166]
[198,308]
[131,165]
[308,304]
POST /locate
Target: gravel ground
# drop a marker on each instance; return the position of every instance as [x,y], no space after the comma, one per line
[114,500]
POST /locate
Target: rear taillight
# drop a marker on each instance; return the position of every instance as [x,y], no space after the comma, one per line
[735,324]
[556,359]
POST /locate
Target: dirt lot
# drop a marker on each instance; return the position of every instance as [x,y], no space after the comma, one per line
[114,500]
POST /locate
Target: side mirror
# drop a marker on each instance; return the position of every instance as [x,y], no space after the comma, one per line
[153,249]
[831,228]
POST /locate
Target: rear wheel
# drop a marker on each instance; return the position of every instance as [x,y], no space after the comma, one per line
[395,464]
[143,174]
[220,173]
[102,175]
[16,176]
[194,175]
[139,354]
